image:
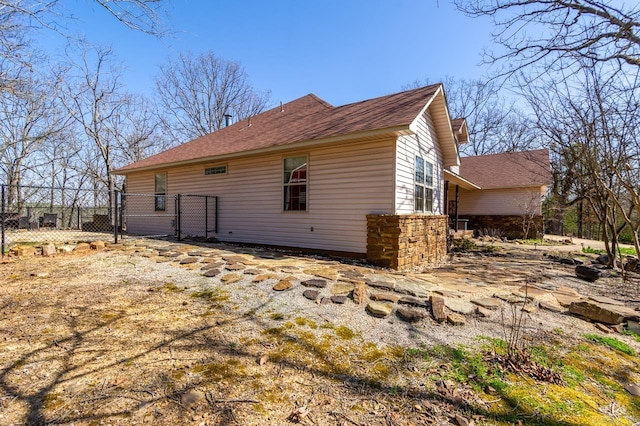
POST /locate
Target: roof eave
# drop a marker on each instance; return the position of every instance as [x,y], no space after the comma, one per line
[459,180]
[390,131]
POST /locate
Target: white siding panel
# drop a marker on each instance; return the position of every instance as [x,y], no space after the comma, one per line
[514,201]
[424,144]
[346,183]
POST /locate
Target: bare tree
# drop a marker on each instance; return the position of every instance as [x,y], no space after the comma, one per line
[19,19]
[558,32]
[195,93]
[29,118]
[586,117]
[94,100]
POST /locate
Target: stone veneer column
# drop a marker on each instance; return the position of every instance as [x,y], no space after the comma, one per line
[406,241]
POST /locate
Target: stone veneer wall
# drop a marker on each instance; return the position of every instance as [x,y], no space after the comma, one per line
[509,226]
[406,241]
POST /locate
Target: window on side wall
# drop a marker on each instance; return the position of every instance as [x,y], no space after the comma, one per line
[295,183]
[160,198]
[423,187]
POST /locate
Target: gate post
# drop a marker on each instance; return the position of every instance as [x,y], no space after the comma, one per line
[178,216]
[3,218]
[206,217]
[115,216]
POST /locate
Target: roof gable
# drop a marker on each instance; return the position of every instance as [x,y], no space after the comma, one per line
[508,170]
[308,118]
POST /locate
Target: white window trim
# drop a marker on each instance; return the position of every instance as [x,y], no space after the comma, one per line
[285,184]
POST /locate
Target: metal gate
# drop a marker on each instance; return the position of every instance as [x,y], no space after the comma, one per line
[160,215]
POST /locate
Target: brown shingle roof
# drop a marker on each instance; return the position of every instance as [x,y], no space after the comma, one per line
[508,170]
[304,119]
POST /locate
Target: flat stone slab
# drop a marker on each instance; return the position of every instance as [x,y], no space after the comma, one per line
[460,306]
[326,273]
[211,272]
[342,289]
[633,389]
[315,283]
[607,300]
[235,267]
[413,301]
[602,312]
[565,300]
[265,277]
[189,260]
[533,292]
[550,307]
[413,289]
[487,302]
[411,314]
[384,297]
[231,278]
[483,312]
[283,285]
[340,300]
[384,285]
[311,294]
[456,319]
[379,309]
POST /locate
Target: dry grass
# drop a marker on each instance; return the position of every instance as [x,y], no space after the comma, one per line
[105,339]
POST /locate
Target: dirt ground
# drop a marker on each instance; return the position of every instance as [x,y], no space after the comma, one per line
[115,339]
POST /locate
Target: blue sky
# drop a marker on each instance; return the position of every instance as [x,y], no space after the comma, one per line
[343,51]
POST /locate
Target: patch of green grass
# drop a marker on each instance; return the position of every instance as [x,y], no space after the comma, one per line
[611,342]
[635,336]
[629,251]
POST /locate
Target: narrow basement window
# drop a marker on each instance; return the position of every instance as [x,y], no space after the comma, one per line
[216,170]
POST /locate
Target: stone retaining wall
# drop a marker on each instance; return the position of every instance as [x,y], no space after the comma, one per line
[509,226]
[406,241]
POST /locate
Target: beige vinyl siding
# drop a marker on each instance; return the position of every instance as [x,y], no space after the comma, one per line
[346,182]
[423,144]
[510,201]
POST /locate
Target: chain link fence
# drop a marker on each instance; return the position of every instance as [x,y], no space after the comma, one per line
[32,215]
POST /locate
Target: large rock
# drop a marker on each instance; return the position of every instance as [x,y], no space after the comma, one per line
[456,319]
[49,250]
[97,245]
[380,309]
[82,248]
[410,314]
[23,251]
[587,273]
[602,312]
[437,308]
[359,293]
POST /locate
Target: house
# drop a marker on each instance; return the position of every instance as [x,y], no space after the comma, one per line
[365,179]
[508,200]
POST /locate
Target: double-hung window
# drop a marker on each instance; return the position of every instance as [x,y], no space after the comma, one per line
[295,183]
[160,184]
[423,189]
